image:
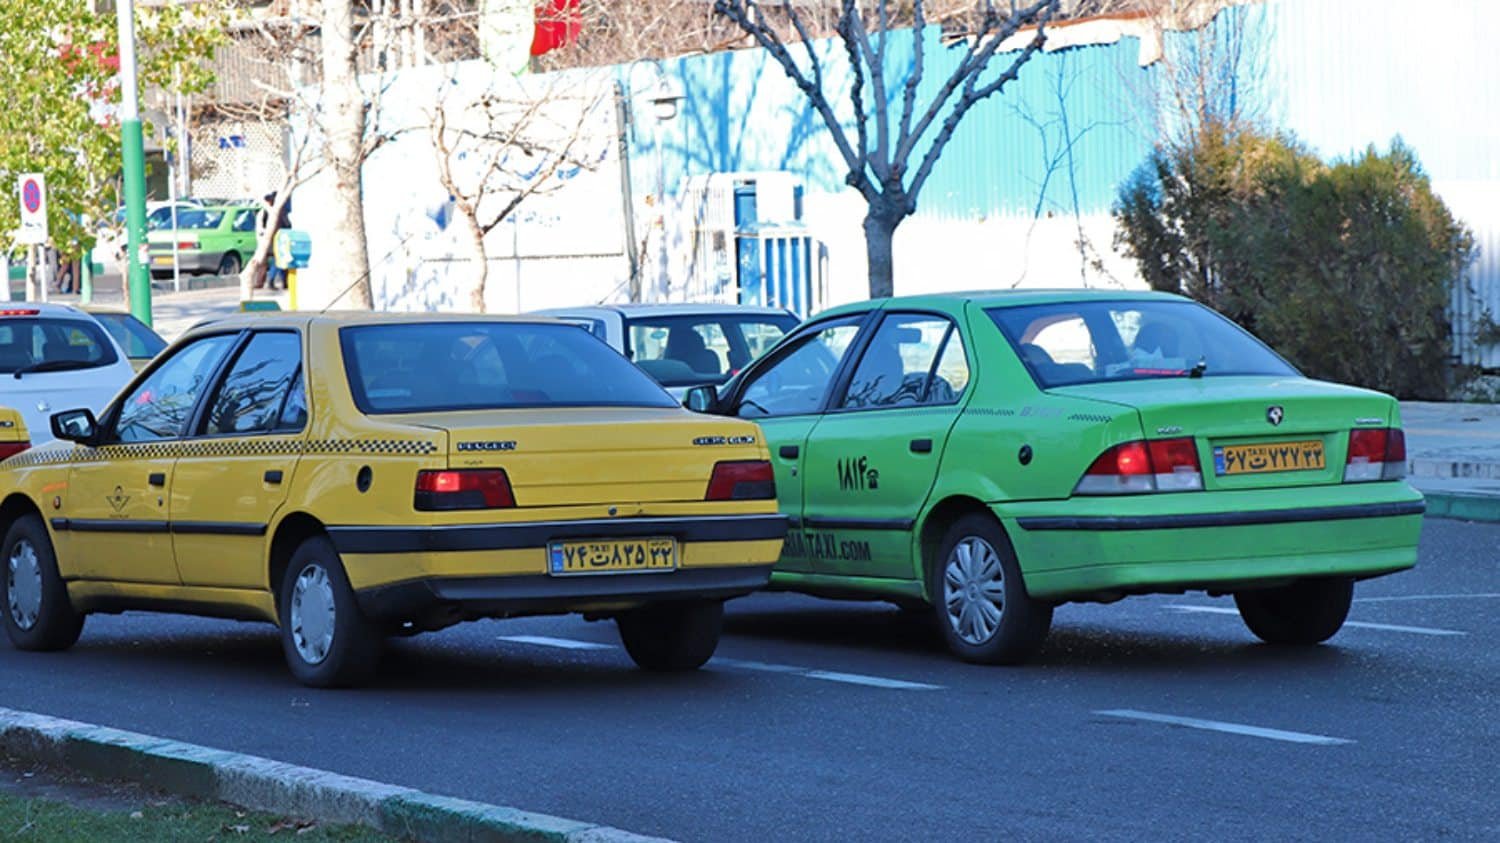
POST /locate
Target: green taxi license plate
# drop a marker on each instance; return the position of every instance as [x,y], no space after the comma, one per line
[611,556]
[1269,456]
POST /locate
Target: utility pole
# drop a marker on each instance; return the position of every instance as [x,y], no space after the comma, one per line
[133,151]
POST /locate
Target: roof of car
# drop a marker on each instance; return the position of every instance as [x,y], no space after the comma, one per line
[19,308]
[1005,298]
[667,309]
[303,318]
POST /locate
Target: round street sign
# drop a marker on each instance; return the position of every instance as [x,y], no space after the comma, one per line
[31,195]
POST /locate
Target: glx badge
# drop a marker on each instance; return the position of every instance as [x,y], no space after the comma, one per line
[724,440]
[1274,414]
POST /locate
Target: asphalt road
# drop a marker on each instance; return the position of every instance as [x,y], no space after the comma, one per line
[835,721]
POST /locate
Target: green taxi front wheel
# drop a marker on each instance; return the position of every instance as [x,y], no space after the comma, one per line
[980,600]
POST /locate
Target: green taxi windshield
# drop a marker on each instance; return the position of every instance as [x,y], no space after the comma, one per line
[1070,343]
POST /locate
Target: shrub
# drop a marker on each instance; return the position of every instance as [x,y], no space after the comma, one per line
[1345,268]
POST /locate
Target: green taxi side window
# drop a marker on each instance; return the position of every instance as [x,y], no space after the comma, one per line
[159,407]
[913,360]
[251,395]
[798,383]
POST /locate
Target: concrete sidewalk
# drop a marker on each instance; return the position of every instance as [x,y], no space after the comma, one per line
[1453,457]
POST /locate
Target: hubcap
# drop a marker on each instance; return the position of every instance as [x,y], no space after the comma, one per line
[23,584]
[974,590]
[312,614]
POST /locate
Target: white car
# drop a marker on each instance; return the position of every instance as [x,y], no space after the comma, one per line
[684,345]
[55,358]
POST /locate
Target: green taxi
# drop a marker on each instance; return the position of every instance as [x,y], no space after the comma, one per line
[990,456]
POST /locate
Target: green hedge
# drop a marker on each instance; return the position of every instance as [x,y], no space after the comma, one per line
[1345,268]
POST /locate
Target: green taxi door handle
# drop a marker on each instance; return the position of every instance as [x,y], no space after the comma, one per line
[921,446]
[789,452]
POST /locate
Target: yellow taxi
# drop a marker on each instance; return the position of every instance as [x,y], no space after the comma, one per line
[353,476]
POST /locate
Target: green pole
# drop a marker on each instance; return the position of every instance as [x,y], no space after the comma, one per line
[133,155]
[86,278]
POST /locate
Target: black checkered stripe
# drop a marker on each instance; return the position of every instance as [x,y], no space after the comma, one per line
[235,447]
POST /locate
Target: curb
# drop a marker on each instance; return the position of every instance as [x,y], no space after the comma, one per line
[284,789]
[1463,507]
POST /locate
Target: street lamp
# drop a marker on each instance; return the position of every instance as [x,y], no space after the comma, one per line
[133,163]
[664,99]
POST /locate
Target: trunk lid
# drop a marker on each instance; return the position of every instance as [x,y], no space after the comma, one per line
[596,455]
[1253,432]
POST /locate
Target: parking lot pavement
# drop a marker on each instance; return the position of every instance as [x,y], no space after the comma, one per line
[1156,717]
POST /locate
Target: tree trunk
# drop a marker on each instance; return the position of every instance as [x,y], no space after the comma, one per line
[348,254]
[482,255]
[880,230]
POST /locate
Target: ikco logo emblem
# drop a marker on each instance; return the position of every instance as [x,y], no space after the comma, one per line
[1274,415]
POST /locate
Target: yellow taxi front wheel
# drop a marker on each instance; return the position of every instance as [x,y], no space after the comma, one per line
[677,636]
[33,598]
[327,641]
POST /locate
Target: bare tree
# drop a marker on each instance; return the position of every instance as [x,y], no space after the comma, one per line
[891,160]
[344,123]
[515,140]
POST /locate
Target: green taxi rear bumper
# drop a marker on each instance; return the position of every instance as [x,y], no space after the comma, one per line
[1103,547]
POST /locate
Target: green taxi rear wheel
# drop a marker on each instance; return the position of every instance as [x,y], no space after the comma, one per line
[1304,613]
[33,598]
[980,600]
[327,641]
[677,636]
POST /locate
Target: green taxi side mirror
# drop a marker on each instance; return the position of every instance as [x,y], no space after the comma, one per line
[702,399]
[75,425]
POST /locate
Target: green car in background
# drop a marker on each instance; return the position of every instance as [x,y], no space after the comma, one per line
[214,239]
[992,455]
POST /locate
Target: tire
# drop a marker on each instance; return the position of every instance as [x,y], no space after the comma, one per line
[229,264]
[672,637]
[1302,614]
[979,598]
[33,599]
[323,653]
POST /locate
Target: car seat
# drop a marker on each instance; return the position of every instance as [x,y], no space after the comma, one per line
[686,346]
[1155,337]
[879,380]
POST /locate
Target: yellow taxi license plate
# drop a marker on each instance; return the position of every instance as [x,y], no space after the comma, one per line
[611,556]
[163,260]
[1267,457]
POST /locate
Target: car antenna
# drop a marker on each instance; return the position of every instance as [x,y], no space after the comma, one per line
[1199,368]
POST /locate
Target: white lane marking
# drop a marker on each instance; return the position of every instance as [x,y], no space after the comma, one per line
[1404,598]
[1221,726]
[871,681]
[741,664]
[828,675]
[1384,627]
[560,643]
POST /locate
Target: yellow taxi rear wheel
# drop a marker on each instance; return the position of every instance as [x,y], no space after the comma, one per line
[327,641]
[677,636]
[33,599]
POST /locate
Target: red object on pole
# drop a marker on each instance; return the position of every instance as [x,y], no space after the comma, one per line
[558,23]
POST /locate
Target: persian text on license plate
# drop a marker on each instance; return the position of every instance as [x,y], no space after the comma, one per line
[1270,456]
[611,556]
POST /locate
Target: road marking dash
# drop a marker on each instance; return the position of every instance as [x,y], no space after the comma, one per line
[1407,597]
[1384,627]
[560,643]
[871,681]
[1221,726]
[828,675]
